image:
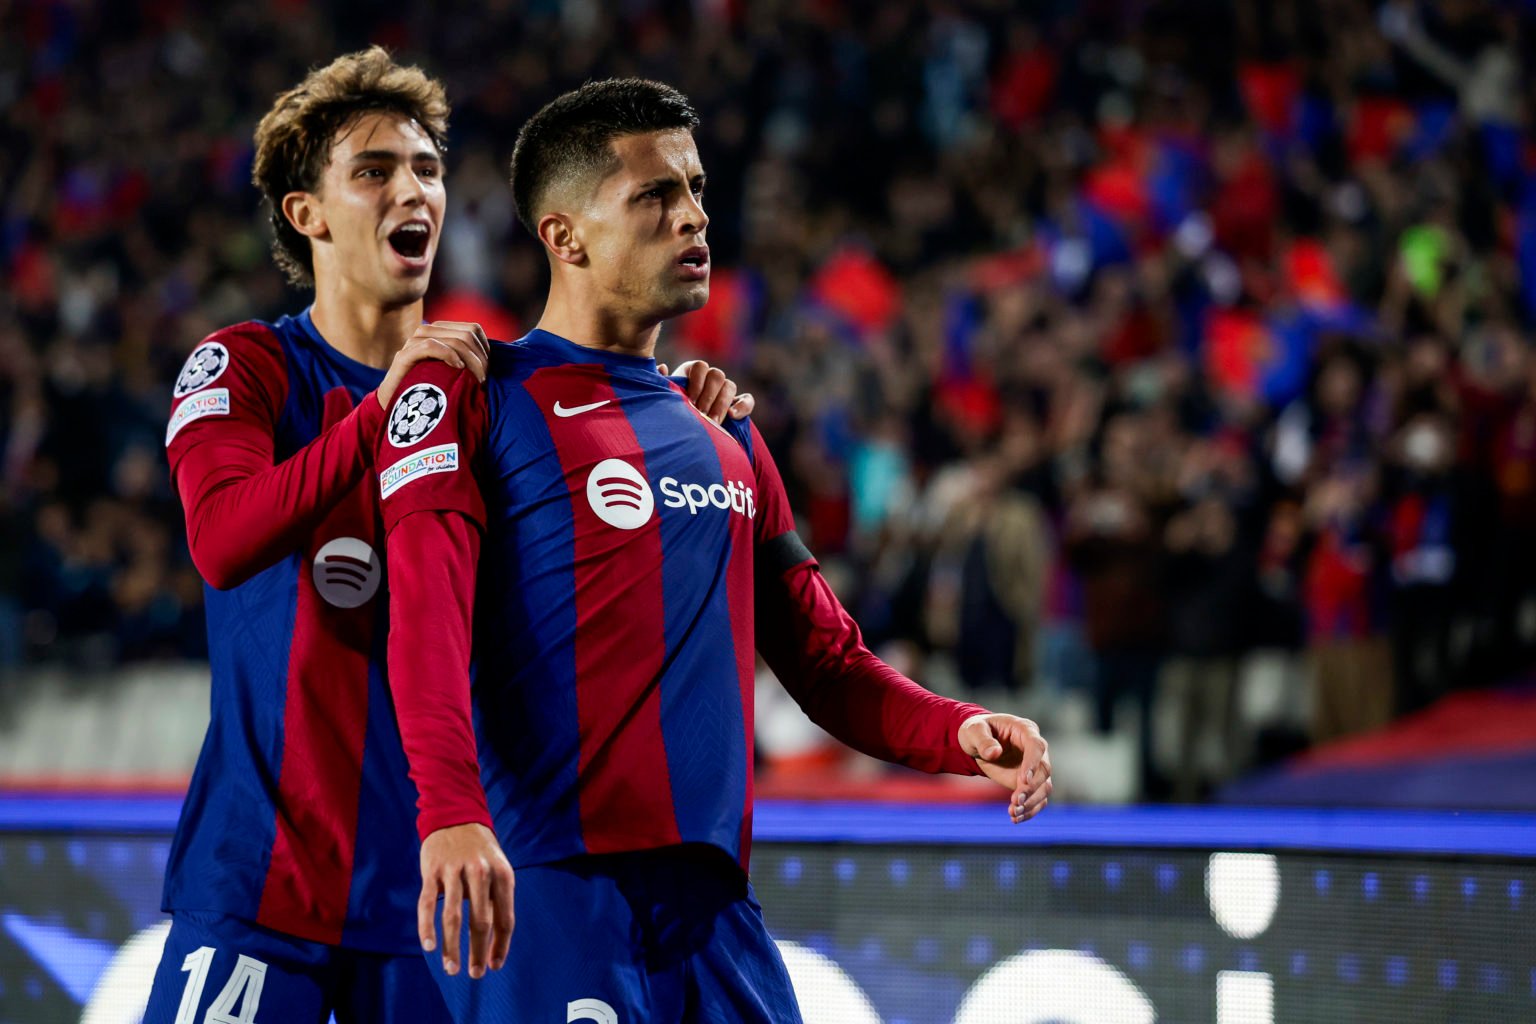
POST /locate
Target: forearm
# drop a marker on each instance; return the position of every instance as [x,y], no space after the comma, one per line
[815,648]
[431,558]
[244,514]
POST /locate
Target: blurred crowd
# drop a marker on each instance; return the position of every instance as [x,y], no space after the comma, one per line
[1101,343]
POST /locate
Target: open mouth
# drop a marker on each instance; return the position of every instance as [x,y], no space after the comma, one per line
[695,262]
[410,240]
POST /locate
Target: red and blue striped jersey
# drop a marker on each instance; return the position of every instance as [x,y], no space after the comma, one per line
[626,543]
[300,813]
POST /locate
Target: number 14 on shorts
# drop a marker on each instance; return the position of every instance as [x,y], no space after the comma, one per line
[243,988]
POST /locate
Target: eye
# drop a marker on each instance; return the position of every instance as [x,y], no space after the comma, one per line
[698,189]
[371,172]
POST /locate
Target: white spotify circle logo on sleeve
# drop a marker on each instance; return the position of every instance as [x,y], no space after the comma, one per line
[619,495]
[347,572]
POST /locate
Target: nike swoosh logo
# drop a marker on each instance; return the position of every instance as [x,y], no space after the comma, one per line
[577,410]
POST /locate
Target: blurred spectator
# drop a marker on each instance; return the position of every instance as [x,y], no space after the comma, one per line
[1068,329]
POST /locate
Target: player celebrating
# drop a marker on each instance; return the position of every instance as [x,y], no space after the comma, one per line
[292,877]
[627,542]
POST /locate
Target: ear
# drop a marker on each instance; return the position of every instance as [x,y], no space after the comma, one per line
[304,212]
[559,236]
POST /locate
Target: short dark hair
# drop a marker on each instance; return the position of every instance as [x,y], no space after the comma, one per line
[294,139]
[571,134]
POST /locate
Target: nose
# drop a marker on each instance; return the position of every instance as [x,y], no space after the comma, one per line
[692,220]
[409,190]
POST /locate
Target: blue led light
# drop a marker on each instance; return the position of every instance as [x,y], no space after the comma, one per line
[821,944]
[120,855]
[1491,979]
[1088,947]
[75,851]
[1516,890]
[1469,888]
[36,854]
[791,870]
[872,949]
[33,986]
[1248,960]
[1349,968]
[1397,971]
[926,950]
[1323,880]
[1167,877]
[1298,963]
[1193,958]
[954,874]
[1447,974]
[1113,874]
[1138,955]
[846,870]
[900,872]
[1420,887]
[1007,874]
[1061,871]
[1370,885]
[979,950]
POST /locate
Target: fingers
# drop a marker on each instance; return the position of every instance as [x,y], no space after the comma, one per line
[1025,806]
[742,407]
[426,911]
[721,404]
[502,914]
[453,920]
[480,915]
[458,347]
[661,368]
[472,333]
[705,384]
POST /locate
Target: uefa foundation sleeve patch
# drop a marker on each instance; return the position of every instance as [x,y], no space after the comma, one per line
[212,402]
[442,459]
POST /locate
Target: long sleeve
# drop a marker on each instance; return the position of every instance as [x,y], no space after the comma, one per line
[242,512]
[815,648]
[433,514]
[431,558]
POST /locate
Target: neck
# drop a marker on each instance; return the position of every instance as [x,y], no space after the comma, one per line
[360,327]
[584,322]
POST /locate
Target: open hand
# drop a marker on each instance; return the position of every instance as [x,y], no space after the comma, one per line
[465,862]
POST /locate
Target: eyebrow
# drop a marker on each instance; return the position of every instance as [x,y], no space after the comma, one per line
[389,154]
[673,180]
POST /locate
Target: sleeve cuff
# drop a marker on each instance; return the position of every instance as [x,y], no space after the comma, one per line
[957,761]
[448,817]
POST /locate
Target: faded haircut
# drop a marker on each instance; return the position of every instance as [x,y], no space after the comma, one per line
[294,139]
[570,137]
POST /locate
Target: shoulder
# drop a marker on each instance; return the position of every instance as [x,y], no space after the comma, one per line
[245,347]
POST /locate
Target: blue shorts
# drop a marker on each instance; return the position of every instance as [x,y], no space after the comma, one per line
[662,935]
[226,968]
